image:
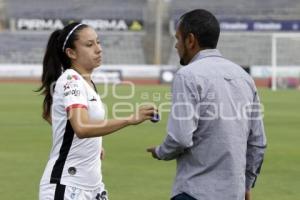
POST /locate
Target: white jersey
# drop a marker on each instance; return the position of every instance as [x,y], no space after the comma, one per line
[73,161]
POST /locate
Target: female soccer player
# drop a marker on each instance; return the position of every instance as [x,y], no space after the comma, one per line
[75,111]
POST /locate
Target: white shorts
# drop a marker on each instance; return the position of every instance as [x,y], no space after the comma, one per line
[62,192]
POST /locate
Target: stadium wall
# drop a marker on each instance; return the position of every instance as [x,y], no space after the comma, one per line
[141,74]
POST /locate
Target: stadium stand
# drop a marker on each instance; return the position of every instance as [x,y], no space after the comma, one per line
[245,48]
[28,47]
[75,9]
[241,9]
[290,57]
[22,47]
[249,49]
[122,48]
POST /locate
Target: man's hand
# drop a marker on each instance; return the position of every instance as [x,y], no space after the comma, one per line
[247,195]
[102,154]
[152,151]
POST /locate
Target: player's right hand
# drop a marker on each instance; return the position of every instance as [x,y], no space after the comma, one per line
[143,113]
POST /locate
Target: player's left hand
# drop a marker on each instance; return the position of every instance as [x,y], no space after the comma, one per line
[102,154]
[152,151]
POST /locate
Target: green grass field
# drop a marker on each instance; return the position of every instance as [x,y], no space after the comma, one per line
[129,171]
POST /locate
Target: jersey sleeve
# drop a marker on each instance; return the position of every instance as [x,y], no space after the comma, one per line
[74,94]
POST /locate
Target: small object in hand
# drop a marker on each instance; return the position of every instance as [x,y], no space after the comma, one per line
[155,118]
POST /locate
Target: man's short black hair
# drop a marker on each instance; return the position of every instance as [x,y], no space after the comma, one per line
[203,25]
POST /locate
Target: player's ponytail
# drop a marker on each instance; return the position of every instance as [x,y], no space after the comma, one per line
[56,61]
[52,69]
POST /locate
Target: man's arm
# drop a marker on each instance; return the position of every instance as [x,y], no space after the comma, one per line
[256,144]
[182,120]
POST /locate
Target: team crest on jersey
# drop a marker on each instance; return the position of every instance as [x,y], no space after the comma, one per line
[72,77]
[67,86]
[72,170]
[70,85]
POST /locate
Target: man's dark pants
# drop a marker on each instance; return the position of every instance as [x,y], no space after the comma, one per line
[183,196]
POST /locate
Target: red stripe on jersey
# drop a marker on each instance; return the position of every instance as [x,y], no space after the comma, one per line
[76,106]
